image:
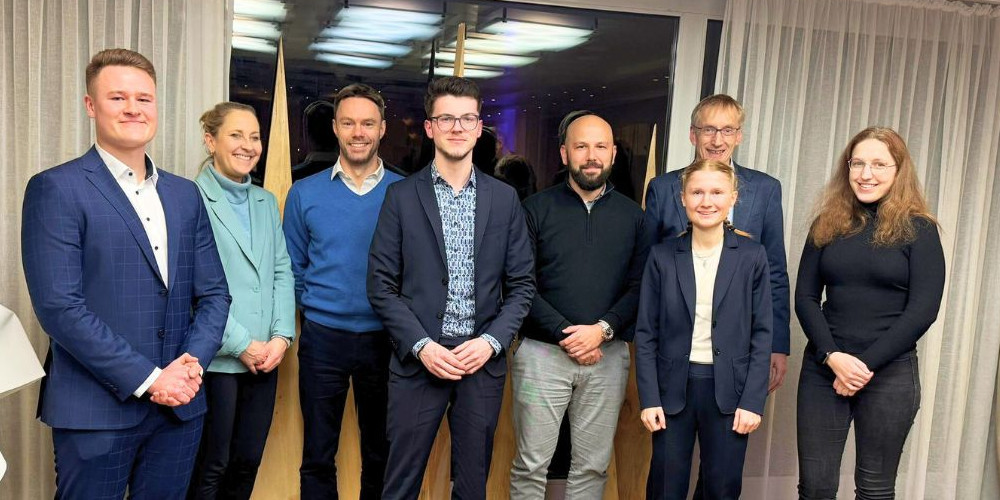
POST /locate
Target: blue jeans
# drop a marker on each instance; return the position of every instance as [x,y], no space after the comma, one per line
[882,412]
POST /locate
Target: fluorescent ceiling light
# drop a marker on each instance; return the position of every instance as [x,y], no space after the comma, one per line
[267,10]
[518,44]
[487,59]
[361,47]
[258,29]
[377,15]
[468,72]
[385,32]
[348,60]
[512,27]
[254,44]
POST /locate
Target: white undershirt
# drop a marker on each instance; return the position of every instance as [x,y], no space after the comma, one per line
[706,264]
[146,203]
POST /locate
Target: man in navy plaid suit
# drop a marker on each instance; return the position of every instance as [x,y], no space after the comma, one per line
[125,278]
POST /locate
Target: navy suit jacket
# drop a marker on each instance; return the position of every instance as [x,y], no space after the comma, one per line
[741,326]
[757,211]
[98,293]
[408,272]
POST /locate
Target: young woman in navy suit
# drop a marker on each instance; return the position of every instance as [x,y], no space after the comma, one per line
[703,341]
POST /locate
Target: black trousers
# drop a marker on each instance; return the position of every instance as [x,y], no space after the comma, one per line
[416,406]
[329,360]
[882,412]
[240,406]
[722,449]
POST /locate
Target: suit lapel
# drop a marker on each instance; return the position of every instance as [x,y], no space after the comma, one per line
[99,175]
[678,206]
[685,273]
[425,192]
[220,206]
[258,214]
[744,202]
[727,268]
[483,201]
[171,211]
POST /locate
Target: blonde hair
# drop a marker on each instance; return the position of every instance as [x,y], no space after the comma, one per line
[839,212]
[711,166]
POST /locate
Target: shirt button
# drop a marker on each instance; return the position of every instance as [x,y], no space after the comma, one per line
[156,248]
[147,219]
[136,191]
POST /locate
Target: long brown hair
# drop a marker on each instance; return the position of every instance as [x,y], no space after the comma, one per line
[711,166]
[839,212]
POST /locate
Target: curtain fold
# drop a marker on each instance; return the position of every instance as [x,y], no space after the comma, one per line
[811,74]
[44,48]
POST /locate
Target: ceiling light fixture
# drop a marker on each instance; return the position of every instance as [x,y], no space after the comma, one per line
[349,46]
[359,61]
[266,10]
[254,44]
[487,59]
[257,29]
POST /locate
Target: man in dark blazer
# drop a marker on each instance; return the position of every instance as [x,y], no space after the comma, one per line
[716,130]
[125,278]
[450,273]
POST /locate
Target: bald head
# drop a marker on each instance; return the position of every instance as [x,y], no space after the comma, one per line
[589,152]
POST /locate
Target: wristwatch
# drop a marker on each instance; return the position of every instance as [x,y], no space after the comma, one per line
[608,333]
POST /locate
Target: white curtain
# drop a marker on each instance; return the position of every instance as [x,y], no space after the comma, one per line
[811,74]
[44,47]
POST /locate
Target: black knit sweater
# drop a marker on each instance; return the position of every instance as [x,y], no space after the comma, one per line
[879,300]
[587,264]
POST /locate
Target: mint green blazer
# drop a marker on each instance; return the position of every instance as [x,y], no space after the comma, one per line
[259,275]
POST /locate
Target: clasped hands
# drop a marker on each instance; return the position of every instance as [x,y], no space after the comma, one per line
[178,383]
[583,343]
[263,356]
[852,373]
[453,364]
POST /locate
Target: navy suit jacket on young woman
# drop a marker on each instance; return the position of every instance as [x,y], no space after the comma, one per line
[408,271]
[99,294]
[741,326]
[757,211]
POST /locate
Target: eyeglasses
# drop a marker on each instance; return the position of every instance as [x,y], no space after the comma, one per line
[447,122]
[857,165]
[711,131]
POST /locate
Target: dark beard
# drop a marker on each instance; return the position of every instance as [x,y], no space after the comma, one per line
[589,184]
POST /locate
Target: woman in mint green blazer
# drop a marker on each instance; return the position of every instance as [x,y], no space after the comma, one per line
[241,381]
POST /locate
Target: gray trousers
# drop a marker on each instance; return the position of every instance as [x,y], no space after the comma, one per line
[547,382]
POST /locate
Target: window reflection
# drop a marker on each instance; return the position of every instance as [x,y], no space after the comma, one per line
[533,63]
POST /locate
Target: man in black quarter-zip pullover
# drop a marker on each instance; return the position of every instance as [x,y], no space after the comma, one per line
[588,262]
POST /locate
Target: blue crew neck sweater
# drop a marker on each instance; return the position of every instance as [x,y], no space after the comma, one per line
[329,230]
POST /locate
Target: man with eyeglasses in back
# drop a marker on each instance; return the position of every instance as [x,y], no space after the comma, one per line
[451,274]
[716,130]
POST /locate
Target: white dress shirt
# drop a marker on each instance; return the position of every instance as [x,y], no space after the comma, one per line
[367,185]
[706,265]
[141,193]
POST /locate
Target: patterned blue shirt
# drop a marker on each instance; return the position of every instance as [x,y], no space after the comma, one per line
[458,223]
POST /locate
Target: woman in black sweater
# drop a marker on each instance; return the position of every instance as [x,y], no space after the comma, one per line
[874,249]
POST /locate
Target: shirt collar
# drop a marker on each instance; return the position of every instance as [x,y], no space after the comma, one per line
[339,169]
[119,170]
[436,176]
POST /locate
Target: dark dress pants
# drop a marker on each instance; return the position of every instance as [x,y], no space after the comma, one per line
[240,406]
[329,360]
[153,459]
[722,449]
[416,405]
[882,412]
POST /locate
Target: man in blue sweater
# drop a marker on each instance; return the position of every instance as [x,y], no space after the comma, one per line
[329,222]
